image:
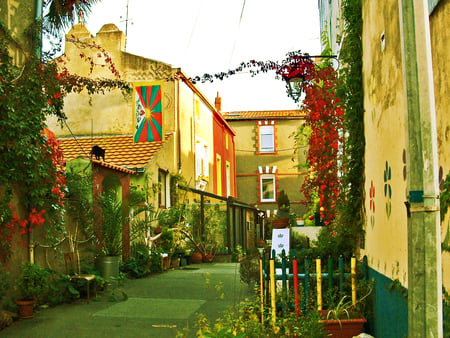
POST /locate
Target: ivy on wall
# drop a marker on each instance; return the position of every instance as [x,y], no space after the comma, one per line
[351,207]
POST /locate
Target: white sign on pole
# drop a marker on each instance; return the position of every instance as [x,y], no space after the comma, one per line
[280,242]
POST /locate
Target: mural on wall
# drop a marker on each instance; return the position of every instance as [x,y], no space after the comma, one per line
[387,189]
[148,112]
[372,204]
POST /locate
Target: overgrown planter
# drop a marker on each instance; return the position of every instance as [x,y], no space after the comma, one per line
[25,308]
[108,266]
[344,328]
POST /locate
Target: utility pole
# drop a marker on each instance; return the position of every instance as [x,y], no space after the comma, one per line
[424,239]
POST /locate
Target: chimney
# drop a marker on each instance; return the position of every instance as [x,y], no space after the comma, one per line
[218,103]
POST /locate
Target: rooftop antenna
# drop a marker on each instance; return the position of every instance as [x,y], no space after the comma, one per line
[126,19]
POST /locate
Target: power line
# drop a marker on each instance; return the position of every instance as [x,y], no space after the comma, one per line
[239,26]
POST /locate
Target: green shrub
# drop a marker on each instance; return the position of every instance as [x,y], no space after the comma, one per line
[33,281]
[139,264]
[244,320]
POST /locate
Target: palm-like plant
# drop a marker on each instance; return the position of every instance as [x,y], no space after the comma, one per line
[60,14]
[111,225]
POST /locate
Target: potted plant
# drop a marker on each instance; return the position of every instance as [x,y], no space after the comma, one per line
[32,283]
[344,320]
[109,235]
[205,240]
[284,206]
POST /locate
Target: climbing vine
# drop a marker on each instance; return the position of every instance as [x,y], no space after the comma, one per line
[351,206]
[31,162]
[324,118]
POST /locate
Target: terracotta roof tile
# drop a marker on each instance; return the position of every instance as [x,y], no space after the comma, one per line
[115,167]
[265,114]
[119,150]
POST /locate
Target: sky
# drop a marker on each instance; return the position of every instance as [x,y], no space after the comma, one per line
[212,36]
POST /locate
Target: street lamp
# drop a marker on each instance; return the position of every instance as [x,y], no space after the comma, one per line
[294,75]
[294,87]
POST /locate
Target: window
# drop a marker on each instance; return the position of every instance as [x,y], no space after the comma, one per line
[164,189]
[228,173]
[266,139]
[201,160]
[267,188]
[197,110]
[219,174]
[226,140]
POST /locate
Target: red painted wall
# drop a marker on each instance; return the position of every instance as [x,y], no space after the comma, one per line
[220,131]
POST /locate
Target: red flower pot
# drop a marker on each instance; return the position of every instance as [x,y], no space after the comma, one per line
[196,257]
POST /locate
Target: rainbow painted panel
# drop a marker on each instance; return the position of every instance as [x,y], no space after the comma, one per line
[148,109]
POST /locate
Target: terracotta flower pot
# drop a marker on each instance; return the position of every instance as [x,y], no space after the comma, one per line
[196,257]
[344,328]
[25,308]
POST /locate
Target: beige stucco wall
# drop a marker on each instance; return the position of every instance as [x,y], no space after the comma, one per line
[384,120]
[386,235]
[440,42]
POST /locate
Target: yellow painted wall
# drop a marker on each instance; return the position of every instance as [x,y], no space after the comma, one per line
[110,114]
[386,235]
[386,221]
[440,42]
[17,16]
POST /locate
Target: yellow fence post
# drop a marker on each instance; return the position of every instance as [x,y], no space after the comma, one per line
[319,283]
[261,289]
[272,292]
[353,273]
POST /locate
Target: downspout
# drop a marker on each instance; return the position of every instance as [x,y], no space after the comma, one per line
[178,126]
[38,52]
[424,238]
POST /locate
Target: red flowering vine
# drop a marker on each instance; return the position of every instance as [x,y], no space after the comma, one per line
[325,119]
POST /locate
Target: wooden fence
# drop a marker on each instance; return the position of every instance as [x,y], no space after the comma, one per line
[277,272]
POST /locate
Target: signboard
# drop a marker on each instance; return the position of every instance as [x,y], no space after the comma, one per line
[280,241]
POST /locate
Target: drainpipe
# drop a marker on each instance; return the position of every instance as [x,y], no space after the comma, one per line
[424,239]
[178,126]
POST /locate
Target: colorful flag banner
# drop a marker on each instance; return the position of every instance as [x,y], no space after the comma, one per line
[148,108]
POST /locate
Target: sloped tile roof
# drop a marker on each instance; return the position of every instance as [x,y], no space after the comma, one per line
[265,114]
[114,167]
[119,150]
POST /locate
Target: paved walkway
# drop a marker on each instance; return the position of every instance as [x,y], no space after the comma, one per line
[158,306]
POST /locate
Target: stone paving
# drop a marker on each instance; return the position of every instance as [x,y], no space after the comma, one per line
[157,306]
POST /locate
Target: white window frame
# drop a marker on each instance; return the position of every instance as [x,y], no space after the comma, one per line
[201,160]
[228,177]
[164,186]
[219,174]
[267,135]
[263,178]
